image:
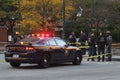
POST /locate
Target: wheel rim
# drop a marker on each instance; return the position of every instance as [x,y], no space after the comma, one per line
[45,60]
[78,58]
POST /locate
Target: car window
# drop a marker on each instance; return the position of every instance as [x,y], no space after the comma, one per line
[52,42]
[41,42]
[47,43]
[60,42]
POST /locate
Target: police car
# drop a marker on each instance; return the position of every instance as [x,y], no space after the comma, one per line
[43,50]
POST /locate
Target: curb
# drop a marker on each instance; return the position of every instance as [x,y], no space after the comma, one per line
[2,52]
[115,58]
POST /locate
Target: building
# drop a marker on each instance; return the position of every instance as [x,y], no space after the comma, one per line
[3,37]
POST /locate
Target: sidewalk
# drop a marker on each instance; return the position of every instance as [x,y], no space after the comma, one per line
[115,54]
[2,50]
[115,58]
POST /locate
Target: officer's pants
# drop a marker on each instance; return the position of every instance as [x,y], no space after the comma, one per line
[101,51]
[83,50]
[109,51]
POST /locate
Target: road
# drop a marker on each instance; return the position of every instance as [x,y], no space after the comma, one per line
[85,71]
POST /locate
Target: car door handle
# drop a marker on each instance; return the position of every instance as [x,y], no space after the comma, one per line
[50,48]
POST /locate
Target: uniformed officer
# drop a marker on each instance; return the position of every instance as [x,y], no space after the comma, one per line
[92,49]
[72,38]
[108,44]
[101,41]
[82,40]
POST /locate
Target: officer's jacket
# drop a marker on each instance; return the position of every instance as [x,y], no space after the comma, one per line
[91,41]
[101,41]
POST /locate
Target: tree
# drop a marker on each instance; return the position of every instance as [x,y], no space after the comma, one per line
[96,14]
[43,14]
[8,13]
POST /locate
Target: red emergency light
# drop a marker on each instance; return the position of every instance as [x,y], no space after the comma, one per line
[47,35]
[42,35]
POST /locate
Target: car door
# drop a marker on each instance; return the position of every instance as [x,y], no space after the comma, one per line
[56,55]
[68,52]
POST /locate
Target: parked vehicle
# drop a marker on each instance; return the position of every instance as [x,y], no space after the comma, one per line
[43,51]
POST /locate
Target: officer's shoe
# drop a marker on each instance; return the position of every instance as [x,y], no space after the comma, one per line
[103,60]
[88,59]
[98,60]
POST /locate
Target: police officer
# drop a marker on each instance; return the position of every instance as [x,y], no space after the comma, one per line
[72,38]
[82,40]
[108,44]
[92,49]
[101,41]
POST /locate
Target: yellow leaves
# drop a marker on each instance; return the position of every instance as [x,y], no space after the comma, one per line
[27,2]
[56,1]
[30,22]
[27,5]
[69,9]
[30,25]
[37,11]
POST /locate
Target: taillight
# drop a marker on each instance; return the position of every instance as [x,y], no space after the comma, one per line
[30,49]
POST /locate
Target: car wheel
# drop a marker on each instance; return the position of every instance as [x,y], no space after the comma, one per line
[14,64]
[77,59]
[45,61]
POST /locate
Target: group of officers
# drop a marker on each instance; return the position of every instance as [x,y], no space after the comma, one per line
[97,44]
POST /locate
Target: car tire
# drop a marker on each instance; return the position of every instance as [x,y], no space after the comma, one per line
[14,64]
[77,59]
[45,62]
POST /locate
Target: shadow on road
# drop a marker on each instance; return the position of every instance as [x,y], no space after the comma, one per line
[35,66]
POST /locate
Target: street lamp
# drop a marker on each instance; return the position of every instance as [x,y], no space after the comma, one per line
[19,15]
[12,25]
[63,18]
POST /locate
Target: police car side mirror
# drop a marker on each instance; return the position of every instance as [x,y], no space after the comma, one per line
[66,45]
